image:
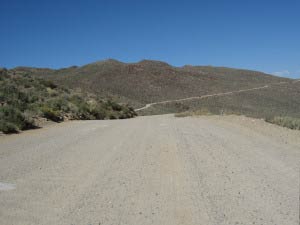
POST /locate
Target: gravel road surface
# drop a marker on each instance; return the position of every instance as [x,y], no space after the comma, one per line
[161,170]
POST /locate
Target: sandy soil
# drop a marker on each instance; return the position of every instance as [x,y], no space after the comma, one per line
[163,170]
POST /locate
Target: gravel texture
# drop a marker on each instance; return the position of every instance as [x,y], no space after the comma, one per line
[210,170]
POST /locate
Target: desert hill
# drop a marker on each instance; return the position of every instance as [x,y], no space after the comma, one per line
[151,81]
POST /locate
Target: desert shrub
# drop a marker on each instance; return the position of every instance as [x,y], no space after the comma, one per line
[99,113]
[183,114]
[48,84]
[114,106]
[3,73]
[112,116]
[52,92]
[51,114]
[33,97]
[83,111]
[58,104]
[7,127]
[127,112]
[9,90]
[200,112]
[208,112]
[289,122]
[13,119]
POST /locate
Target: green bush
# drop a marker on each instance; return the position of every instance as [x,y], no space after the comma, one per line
[58,104]
[112,116]
[289,122]
[7,127]
[13,119]
[127,112]
[3,73]
[99,113]
[48,83]
[113,105]
[51,114]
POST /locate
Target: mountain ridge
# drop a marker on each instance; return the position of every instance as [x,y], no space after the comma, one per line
[143,61]
[151,76]
[149,81]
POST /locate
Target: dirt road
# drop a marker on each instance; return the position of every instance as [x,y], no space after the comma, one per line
[151,170]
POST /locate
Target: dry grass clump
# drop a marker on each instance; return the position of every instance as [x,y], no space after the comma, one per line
[289,122]
[206,112]
[200,112]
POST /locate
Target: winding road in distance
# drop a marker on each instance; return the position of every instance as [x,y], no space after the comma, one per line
[160,170]
[212,95]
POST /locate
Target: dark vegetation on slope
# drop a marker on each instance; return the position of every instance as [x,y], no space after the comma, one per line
[289,122]
[25,99]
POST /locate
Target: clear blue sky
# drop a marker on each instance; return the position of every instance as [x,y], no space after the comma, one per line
[258,34]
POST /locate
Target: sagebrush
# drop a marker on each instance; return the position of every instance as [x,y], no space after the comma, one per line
[24,99]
